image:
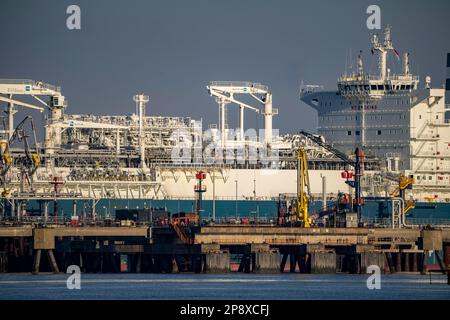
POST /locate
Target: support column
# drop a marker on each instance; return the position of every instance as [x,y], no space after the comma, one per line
[324,193]
[213,177]
[407,262]
[217,262]
[267,262]
[45,203]
[390,262]
[268,119]
[74,208]
[372,258]
[440,262]
[118,142]
[423,261]
[222,106]
[446,248]
[283,262]
[11,111]
[398,267]
[415,262]
[245,264]
[37,261]
[94,215]
[52,261]
[3,262]
[241,123]
[323,262]
[292,262]
[13,208]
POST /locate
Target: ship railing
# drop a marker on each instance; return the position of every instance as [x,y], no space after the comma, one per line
[170,165]
[417,222]
[66,221]
[233,220]
[217,198]
[366,77]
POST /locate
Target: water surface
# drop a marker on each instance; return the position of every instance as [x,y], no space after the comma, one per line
[222,286]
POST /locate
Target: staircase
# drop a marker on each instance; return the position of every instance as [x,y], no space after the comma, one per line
[408,206]
[181,233]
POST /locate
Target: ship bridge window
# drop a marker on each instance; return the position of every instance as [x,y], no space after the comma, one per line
[407,87]
[379,132]
[373,87]
[380,87]
[349,133]
[357,132]
[402,87]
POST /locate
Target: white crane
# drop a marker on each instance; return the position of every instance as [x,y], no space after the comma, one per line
[224,92]
[15,87]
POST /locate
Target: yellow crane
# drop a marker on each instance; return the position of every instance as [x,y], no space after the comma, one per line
[303,188]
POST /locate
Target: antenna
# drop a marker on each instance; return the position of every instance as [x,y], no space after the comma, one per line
[360,64]
[406,64]
[427,82]
[351,61]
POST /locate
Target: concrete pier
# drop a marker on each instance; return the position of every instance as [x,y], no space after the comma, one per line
[373,258]
[217,262]
[215,249]
[323,262]
[267,262]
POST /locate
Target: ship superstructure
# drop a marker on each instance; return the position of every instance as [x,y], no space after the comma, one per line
[391,117]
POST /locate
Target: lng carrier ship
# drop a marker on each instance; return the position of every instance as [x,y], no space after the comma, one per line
[401,127]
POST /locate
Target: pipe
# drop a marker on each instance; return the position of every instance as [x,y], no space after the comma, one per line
[241,122]
[324,193]
[214,195]
[268,119]
[222,122]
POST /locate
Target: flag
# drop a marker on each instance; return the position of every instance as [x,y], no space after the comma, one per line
[397,54]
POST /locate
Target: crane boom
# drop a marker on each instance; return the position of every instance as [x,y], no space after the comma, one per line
[221,95]
[20,103]
[357,164]
[326,146]
[303,191]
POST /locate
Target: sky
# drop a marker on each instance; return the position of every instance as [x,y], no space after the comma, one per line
[172,49]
